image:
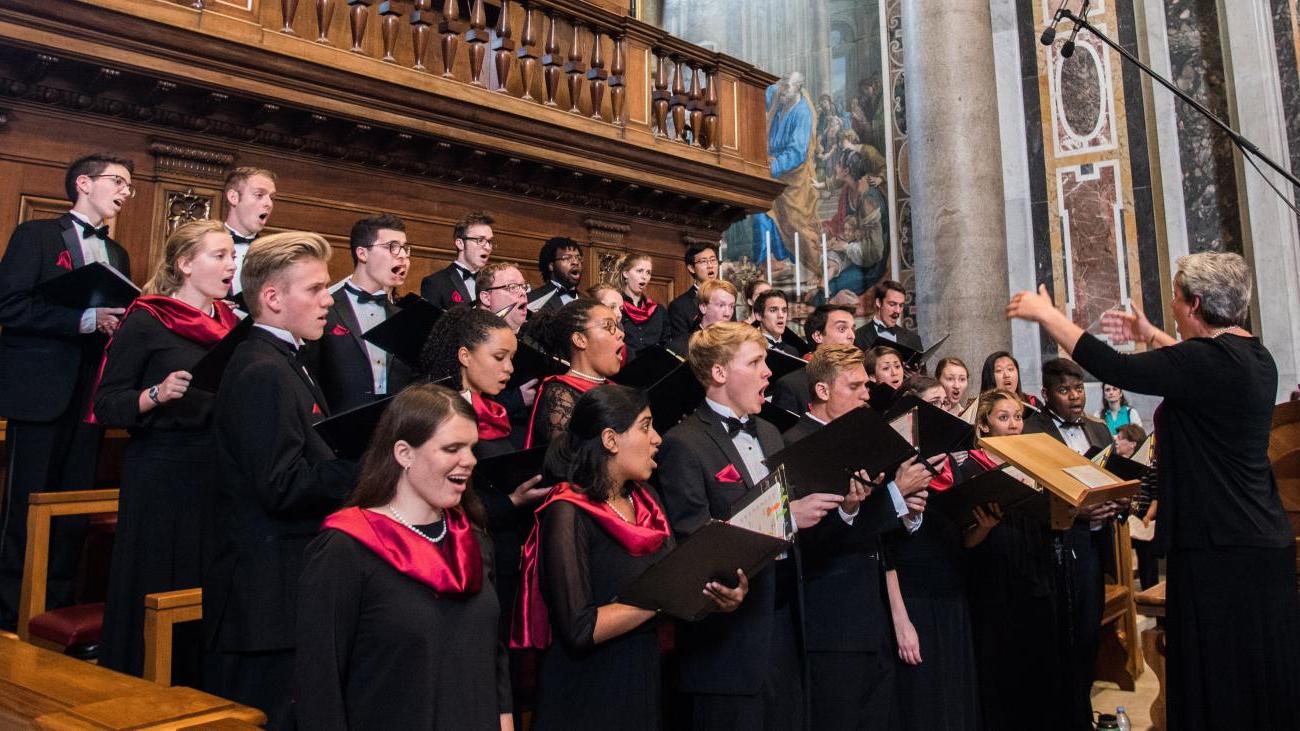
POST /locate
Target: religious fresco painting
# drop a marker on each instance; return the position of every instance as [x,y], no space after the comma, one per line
[830,236]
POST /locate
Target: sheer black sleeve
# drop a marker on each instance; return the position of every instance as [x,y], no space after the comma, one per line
[566,575]
[554,409]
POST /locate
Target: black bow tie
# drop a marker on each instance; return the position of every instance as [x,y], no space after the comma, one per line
[735,426]
[565,291]
[378,298]
[465,274]
[881,328]
[91,232]
[241,239]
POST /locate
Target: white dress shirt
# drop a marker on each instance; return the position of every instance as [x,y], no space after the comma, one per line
[369,315]
[93,249]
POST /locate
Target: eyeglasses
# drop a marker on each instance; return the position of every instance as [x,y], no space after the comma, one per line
[613,327]
[119,181]
[570,257]
[512,288]
[484,240]
[396,248]
[710,260]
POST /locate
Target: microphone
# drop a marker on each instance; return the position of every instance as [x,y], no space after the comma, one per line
[1067,48]
[1049,33]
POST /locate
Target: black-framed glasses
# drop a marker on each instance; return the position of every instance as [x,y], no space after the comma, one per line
[396,248]
[119,181]
[512,288]
[484,240]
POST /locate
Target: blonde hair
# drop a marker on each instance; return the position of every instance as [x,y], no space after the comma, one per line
[829,361]
[624,263]
[595,290]
[713,285]
[184,243]
[237,177]
[989,399]
[269,256]
[717,344]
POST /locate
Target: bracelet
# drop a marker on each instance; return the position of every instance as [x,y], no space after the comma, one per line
[153,396]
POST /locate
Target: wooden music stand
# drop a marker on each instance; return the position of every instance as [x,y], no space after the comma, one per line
[1046,460]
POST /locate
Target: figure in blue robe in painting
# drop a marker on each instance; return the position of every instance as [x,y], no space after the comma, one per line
[791,147]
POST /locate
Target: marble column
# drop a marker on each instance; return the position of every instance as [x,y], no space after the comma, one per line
[958,210]
[1272,238]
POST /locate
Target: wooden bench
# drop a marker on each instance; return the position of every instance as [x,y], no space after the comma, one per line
[1151,603]
[1119,658]
[161,612]
[44,689]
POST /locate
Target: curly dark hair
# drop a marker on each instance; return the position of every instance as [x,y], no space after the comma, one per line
[551,251]
[459,326]
[553,329]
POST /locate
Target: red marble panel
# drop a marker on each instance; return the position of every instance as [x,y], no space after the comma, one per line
[1091,227]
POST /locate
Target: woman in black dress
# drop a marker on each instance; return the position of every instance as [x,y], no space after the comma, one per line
[144,387]
[396,626]
[1232,615]
[588,335]
[644,321]
[594,535]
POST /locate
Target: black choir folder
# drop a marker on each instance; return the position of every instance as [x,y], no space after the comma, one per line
[675,584]
[505,472]
[206,374]
[958,502]
[934,430]
[782,364]
[825,460]
[913,359]
[671,387]
[348,433]
[404,333]
[94,285]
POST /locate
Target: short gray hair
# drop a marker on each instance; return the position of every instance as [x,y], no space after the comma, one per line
[1223,282]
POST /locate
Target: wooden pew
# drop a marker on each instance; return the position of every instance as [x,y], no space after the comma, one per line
[44,689]
[161,612]
[1151,603]
[1119,656]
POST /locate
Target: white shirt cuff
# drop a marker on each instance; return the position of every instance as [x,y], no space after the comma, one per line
[88,321]
[847,517]
[911,522]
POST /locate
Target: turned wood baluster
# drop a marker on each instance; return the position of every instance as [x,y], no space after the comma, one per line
[551,61]
[710,138]
[660,96]
[324,16]
[617,82]
[450,28]
[477,38]
[503,47]
[695,106]
[597,76]
[420,31]
[288,8]
[679,100]
[574,67]
[358,16]
[527,52]
[389,17]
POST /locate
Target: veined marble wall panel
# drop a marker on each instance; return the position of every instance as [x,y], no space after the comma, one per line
[1286,40]
[1092,239]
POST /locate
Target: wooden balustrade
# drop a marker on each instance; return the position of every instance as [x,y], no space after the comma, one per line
[583,60]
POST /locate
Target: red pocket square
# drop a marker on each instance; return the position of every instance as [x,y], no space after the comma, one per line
[455,297]
[340,330]
[64,260]
[728,474]
[315,410]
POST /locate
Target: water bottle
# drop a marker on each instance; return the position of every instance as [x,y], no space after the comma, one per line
[1107,722]
[1121,720]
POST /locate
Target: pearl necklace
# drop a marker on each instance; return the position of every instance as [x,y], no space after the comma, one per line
[619,513]
[422,534]
[580,374]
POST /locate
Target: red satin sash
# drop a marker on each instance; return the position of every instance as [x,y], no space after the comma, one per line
[179,317]
[579,384]
[493,421]
[453,568]
[983,459]
[945,478]
[639,314]
[531,626]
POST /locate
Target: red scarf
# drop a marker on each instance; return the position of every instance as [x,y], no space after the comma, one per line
[579,384]
[945,478]
[493,421]
[531,627]
[639,314]
[182,318]
[983,459]
[452,569]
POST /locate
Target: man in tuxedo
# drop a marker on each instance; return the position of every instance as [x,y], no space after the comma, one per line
[351,371]
[740,670]
[683,311]
[560,262]
[716,303]
[773,310]
[827,325]
[250,195]
[454,285]
[501,285]
[850,666]
[277,478]
[886,324]
[49,354]
[1089,539]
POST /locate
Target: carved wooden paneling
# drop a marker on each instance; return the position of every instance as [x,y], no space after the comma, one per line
[40,208]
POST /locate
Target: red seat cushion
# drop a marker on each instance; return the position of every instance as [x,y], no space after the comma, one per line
[75,625]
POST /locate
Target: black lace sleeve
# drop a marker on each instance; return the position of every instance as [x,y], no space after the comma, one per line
[554,409]
[566,576]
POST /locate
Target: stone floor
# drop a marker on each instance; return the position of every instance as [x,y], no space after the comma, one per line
[1137,703]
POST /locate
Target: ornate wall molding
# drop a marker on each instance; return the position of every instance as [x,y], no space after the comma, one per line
[189,161]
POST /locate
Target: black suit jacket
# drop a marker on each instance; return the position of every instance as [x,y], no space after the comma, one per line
[790,392]
[845,604]
[41,349]
[340,363]
[277,481]
[724,653]
[683,311]
[545,298]
[1042,422]
[864,336]
[446,287]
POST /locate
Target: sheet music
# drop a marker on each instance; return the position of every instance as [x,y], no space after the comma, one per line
[1139,532]
[768,513]
[1089,475]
